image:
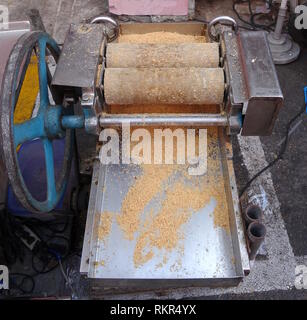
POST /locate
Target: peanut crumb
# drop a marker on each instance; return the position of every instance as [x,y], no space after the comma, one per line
[161,37]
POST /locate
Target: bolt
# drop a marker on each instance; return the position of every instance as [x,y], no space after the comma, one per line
[85,97]
[69,100]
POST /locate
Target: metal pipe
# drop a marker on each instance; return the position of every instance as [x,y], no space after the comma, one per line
[256,232]
[252,213]
[72,122]
[282,13]
[115,120]
[36,20]
[293,5]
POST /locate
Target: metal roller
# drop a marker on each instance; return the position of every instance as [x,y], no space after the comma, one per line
[164,86]
[183,55]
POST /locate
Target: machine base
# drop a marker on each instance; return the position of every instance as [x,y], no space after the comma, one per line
[284,50]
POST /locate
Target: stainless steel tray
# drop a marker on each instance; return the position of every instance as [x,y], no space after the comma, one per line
[210,251]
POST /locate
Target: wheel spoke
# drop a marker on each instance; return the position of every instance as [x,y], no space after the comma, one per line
[43,75]
[28,130]
[50,173]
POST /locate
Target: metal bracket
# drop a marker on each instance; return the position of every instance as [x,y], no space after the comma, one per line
[216,20]
[88,102]
[106,19]
[254,90]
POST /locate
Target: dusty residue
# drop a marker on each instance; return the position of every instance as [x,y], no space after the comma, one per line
[162,229]
[139,195]
[105,224]
[130,109]
[161,37]
[181,202]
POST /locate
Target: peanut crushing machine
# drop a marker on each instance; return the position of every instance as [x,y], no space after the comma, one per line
[146,223]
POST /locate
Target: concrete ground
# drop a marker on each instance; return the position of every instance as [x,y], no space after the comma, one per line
[281,191]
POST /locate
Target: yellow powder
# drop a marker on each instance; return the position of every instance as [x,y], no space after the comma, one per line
[162,229]
[180,203]
[139,195]
[130,109]
[105,224]
[161,37]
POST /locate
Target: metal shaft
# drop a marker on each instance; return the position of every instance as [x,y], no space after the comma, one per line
[72,122]
[115,120]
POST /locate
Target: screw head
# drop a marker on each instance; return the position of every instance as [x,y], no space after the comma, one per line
[85,97]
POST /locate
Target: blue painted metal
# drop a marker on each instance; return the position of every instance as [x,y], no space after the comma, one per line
[240,118]
[32,163]
[73,122]
[51,184]
[46,126]
[52,118]
[43,83]
[29,130]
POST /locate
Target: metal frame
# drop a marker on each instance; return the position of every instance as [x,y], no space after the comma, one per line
[253,90]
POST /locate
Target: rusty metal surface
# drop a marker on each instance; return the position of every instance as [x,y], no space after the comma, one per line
[234,69]
[265,97]
[77,66]
[253,87]
[189,28]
